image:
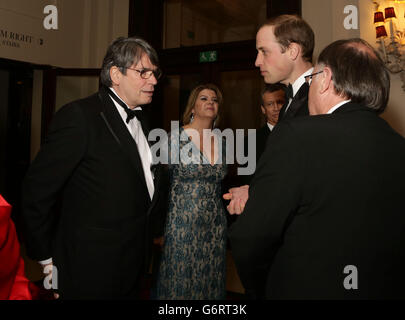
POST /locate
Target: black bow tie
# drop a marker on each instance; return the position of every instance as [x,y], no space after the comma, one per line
[133,113]
[289,92]
[130,113]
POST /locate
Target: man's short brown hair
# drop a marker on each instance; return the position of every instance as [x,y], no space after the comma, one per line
[293,29]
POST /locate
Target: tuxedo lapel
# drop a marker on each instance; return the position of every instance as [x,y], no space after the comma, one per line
[299,99]
[282,110]
[119,131]
[157,183]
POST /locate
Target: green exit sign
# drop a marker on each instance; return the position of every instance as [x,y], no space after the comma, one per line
[208,56]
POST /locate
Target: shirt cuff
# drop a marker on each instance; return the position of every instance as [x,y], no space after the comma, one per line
[45,262]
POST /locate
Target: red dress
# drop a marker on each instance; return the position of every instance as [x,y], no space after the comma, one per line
[13,283]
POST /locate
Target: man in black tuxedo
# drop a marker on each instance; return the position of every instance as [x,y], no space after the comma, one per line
[325,216]
[96,163]
[272,99]
[285,45]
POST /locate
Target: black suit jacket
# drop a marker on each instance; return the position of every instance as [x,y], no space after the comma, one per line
[261,138]
[328,193]
[298,107]
[99,241]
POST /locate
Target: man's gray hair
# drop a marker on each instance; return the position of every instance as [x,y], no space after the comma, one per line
[123,53]
[358,72]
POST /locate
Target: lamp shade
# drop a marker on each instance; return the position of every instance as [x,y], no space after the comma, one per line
[399,1]
[378,17]
[380,32]
[390,13]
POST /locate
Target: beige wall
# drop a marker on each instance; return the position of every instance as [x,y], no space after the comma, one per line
[85,28]
[326,18]
[395,112]
[26,17]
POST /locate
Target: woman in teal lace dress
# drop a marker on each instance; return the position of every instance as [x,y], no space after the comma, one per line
[193,258]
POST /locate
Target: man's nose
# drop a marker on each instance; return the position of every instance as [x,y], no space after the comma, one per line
[152,80]
[258,61]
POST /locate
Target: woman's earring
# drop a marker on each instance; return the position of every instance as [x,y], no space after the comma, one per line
[192,118]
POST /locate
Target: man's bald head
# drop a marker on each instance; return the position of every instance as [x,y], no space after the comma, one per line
[358,72]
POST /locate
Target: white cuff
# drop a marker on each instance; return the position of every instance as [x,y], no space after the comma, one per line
[45,262]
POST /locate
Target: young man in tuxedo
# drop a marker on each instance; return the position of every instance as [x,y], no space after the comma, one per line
[325,216]
[96,163]
[285,46]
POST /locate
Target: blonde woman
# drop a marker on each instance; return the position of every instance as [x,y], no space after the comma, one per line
[193,258]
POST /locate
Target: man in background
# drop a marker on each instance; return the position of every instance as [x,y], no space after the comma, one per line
[272,99]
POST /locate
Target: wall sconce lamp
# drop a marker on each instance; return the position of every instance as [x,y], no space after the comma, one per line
[393,50]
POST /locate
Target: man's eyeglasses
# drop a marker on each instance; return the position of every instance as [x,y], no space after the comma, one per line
[147,73]
[309,77]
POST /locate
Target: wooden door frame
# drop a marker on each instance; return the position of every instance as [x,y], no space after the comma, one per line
[49,91]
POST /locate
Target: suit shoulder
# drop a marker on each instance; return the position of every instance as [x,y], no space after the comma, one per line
[310,122]
[84,106]
[350,123]
[297,123]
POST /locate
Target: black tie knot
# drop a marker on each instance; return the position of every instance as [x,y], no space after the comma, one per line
[289,92]
[130,113]
[133,113]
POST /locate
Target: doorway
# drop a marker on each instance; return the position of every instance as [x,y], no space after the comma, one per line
[16,83]
[233,71]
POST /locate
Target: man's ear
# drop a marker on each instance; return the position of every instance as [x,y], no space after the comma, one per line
[294,50]
[263,110]
[326,78]
[115,75]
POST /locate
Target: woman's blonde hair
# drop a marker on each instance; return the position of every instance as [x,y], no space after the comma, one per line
[193,98]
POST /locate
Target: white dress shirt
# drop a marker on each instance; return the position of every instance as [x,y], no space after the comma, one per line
[338,106]
[135,128]
[270,126]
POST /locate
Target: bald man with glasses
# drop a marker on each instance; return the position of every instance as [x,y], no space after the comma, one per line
[325,216]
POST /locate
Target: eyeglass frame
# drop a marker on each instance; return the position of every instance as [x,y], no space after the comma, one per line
[309,77]
[157,73]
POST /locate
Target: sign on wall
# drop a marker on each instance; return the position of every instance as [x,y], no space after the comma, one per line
[208,56]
